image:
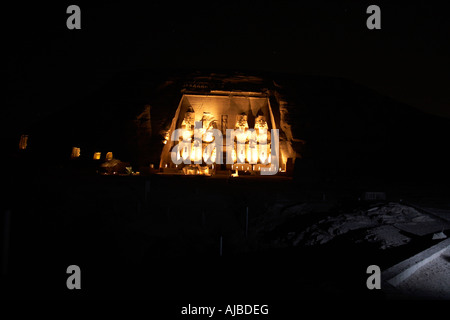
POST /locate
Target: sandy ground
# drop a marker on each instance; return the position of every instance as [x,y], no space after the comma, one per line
[432,281]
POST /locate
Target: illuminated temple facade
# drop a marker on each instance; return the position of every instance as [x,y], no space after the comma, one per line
[250,150]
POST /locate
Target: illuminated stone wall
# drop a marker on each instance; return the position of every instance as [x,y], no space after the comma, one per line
[218,105]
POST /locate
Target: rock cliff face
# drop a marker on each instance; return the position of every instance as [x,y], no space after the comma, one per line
[289,144]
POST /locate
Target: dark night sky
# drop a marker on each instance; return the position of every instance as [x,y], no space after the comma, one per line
[408,59]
